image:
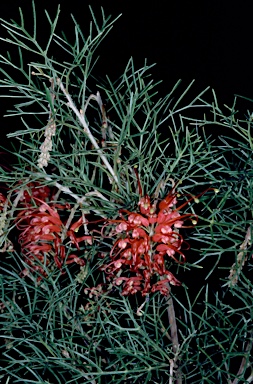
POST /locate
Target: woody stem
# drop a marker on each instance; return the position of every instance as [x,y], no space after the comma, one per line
[174,335]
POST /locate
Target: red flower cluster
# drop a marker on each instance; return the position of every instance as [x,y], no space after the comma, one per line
[43,232]
[144,241]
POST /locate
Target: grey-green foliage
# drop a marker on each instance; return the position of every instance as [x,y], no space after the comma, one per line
[52,332]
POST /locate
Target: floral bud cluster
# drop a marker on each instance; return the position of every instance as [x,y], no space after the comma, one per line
[145,240]
[46,147]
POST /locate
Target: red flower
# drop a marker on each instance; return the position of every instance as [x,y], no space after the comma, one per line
[43,234]
[35,189]
[144,242]
[131,284]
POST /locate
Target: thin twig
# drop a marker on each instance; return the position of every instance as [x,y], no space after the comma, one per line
[7,244]
[172,363]
[250,378]
[227,369]
[244,360]
[68,191]
[80,200]
[70,218]
[241,259]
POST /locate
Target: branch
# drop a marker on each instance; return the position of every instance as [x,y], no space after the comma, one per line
[241,259]
[80,116]
[80,200]
[244,362]
[174,338]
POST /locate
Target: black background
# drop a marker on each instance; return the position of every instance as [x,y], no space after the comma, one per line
[209,41]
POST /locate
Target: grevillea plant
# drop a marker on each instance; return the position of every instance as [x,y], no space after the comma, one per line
[125,223]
